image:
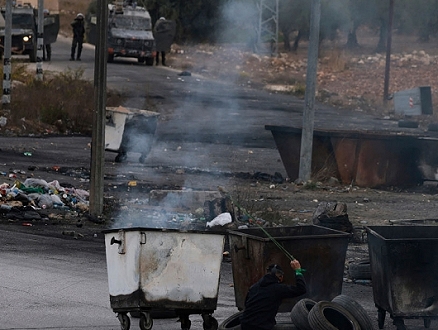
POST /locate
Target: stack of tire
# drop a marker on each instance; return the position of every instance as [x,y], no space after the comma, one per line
[342,313]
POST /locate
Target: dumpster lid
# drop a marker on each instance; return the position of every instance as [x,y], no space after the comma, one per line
[287,233]
[172,230]
[403,232]
[127,110]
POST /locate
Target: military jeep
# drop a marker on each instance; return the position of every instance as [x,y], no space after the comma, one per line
[129,33]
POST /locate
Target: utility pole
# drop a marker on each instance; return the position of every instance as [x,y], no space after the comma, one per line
[98,136]
[40,40]
[6,97]
[268,25]
[305,169]
[388,53]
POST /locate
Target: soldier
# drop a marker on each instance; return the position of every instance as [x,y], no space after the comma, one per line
[47,48]
[159,27]
[78,36]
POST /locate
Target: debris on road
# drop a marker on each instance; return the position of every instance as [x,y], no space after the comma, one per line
[26,200]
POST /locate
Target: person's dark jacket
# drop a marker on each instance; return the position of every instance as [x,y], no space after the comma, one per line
[78,29]
[264,298]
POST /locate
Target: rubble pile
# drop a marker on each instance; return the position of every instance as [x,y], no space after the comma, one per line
[34,195]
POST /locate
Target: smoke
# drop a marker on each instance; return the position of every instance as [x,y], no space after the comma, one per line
[205,113]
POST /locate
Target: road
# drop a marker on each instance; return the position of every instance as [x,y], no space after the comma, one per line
[61,283]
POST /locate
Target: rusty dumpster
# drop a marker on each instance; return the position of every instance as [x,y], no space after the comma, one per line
[321,251]
[163,269]
[404,272]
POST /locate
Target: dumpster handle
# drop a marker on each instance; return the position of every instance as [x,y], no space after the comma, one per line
[115,241]
[120,241]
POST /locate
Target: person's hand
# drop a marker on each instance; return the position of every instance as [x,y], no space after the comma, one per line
[295,264]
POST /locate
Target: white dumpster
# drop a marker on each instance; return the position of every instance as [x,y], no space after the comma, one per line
[129,130]
[164,269]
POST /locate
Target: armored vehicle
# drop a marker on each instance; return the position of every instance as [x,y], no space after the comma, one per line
[129,32]
[25,29]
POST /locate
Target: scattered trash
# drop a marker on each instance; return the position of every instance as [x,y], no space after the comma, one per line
[37,194]
[27,153]
[220,220]
[26,224]
[132,183]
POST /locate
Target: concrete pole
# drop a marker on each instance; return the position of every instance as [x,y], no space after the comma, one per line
[98,137]
[40,40]
[6,97]
[309,97]
[388,53]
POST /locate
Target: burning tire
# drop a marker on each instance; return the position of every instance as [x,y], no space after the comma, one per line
[355,309]
[326,315]
[300,313]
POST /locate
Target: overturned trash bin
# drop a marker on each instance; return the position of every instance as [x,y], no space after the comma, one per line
[163,269]
[321,252]
[404,272]
[129,130]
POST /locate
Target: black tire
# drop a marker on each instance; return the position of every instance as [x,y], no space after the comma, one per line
[32,55]
[149,61]
[146,321]
[327,315]
[427,322]
[120,158]
[110,58]
[125,322]
[141,60]
[360,270]
[355,309]
[211,324]
[300,313]
[233,322]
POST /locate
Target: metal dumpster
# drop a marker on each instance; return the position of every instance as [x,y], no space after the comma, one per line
[404,272]
[163,269]
[129,130]
[321,251]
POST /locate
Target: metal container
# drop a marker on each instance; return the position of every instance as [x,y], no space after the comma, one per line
[414,102]
[129,130]
[321,252]
[150,269]
[404,272]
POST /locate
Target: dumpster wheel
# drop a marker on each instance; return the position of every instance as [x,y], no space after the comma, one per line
[125,322]
[121,157]
[427,322]
[210,323]
[146,321]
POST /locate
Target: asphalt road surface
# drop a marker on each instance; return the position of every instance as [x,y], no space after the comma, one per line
[61,283]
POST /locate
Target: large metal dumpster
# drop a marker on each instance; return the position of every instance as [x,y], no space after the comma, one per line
[404,272]
[129,130]
[321,251]
[163,269]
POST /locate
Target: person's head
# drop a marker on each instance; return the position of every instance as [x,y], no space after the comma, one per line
[276,270]
[46,12]
[162,19]
[80,16]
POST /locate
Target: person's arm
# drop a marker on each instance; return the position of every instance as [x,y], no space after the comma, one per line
[300,286]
